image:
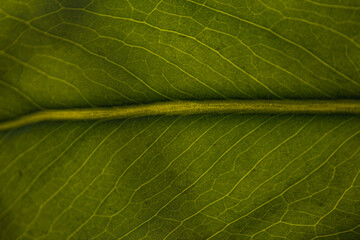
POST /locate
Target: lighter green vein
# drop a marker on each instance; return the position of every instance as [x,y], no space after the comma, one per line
[273,64]
[13,88]
[153,53]
[38,70]
[190,108]
[261,159]
[201,43]
[349,58]
[114,186]
[89,52]
[256,55]
[38,212]
[154,9]
[226,195]
[187,36]
[288,164]
[81,193]
[240,69]
[32,147]
[170,63]
[326,28]
[104,58]
[343,194]
[345,7]
[168,165]
[199,178]
[285,17]
[47,167]
[338,85]
[282,193]
[130,166]
[281,37]
[337,233]
[90,80]
[176,88]
[103,171]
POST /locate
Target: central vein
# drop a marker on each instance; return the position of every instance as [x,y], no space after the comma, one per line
[191,107]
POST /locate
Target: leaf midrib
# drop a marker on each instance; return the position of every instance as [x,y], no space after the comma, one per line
[190,108]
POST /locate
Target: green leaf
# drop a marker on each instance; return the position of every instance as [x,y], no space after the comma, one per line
[204,176]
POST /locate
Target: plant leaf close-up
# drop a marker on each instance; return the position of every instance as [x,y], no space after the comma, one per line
[112,120]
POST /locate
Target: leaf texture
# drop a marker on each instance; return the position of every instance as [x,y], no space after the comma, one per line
[208,176]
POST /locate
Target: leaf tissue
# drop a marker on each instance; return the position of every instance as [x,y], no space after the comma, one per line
[186,163]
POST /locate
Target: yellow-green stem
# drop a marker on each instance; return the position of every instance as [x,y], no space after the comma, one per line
[190,107]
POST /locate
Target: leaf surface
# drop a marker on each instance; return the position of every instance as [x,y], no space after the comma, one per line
[207,176]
